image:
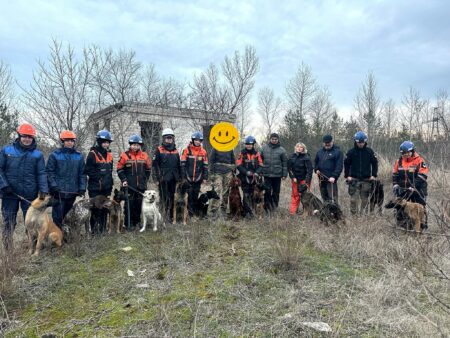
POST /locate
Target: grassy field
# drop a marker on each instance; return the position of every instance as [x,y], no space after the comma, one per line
[260,278]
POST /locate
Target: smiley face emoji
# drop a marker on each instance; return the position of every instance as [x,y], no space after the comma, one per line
[224,136]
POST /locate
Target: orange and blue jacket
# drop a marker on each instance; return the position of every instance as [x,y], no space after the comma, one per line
[135,168]
[410,172]
[249,160]
[98,168]
[194,163]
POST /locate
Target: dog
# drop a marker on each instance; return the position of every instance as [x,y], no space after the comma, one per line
[181,201]
[234,198]
[115,221]
[150,210]
[40,226]
[203,202]
[258,197]
[376,197]
[330,212]
[409,215]
[310,203]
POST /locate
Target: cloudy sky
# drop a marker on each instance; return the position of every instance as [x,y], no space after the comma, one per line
[404,42]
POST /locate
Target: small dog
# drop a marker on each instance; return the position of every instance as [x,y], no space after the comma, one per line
[39,225]
[376,197]
[203,202]
[311,203]
[331,212]
[115,212]
[180,200]
[150,210]
[258,197]
[409,215]
[234,198]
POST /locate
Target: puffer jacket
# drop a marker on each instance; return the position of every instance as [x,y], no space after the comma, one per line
[275,160]
[23,169]
[98,168]
[65,171]
[166,163]
[360,163]
[300,167]
[329,162]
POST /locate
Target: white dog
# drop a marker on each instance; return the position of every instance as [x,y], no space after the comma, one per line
[150,210]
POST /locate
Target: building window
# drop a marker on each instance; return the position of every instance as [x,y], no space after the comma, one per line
[107,124]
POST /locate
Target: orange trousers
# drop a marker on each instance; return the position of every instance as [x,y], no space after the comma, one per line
[295,196]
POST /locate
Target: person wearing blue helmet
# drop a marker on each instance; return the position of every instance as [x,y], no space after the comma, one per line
[360,169]
[99,168]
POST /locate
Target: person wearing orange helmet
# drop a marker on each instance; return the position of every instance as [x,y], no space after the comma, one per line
[22,177]
[66,179]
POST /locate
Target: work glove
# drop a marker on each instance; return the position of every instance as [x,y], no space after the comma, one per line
[249,173]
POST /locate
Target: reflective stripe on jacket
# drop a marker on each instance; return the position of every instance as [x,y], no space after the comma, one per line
[194,163]
[134,167]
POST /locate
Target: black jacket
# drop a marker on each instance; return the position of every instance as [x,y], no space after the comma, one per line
[218,158]
[98,168]
[166,163]
[360,163]
[329,162]
[300,167]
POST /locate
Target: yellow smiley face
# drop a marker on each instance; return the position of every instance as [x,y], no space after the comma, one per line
[224,136]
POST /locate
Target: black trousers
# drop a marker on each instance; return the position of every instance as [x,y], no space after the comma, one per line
[194,190]
[247,200]
[167,193]
[61,208]
[329,191]
[98,216]
[272,194]
[135,209]
[10,207]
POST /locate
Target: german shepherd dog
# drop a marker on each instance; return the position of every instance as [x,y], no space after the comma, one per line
[376,197]
[236,207]
[310,203]
[203,202]
[180,201]
[40,226]
[258,197]
[115,222]
[409,215]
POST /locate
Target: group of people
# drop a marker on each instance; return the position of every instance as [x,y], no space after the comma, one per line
[23,174]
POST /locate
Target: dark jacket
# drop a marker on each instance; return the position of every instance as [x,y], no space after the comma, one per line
[275,160]
[218,159]
[99,167]
[249,160]
[134,168]
[360,163]
[194,164]
[65,171]
[300,167]
[23,169]
[329,162]
[166,163]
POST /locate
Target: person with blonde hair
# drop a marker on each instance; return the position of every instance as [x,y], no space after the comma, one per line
[300,171]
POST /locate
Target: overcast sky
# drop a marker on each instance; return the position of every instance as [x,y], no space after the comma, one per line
[404,42]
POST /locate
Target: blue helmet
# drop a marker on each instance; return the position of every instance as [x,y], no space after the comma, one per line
[250,140]
[406,146]
[197,136]
[104,135]
[135,139]
[360,136]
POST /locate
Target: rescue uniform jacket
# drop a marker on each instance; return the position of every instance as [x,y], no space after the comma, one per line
[360,163]
[275,160]
[23,169]
[411,172]
[219,158]
[99,167]
[249,160]
[300,167]
[166,163]
[329,162]
[65,171]
[194,164]
[134,167]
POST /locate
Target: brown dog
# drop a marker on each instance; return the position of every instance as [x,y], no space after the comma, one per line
[409,214]
[310,203]
[115,212]
[258,198]
[39,225]
[180,200]
[236,207]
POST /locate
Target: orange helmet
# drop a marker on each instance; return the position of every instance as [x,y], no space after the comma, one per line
[26,129]
[67,135]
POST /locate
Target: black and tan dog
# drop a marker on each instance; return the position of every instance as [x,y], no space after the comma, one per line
[259,190]
[409,215]
[180,201]
[310,203]
[376,197]
[331,212]
[115,222]
[40,226]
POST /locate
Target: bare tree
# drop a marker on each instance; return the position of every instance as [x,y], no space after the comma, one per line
[442,112]
[301,89]
[389,118]
[321,110]
[8,115]
[6,85]
[58,97]
[367,104]
[413,106]
[269,108]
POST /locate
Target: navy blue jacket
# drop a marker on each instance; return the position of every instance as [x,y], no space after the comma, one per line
[329,162]
[65,169]
[23,169]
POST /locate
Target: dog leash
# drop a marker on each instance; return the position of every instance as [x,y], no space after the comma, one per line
[135,190]
[22,198]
